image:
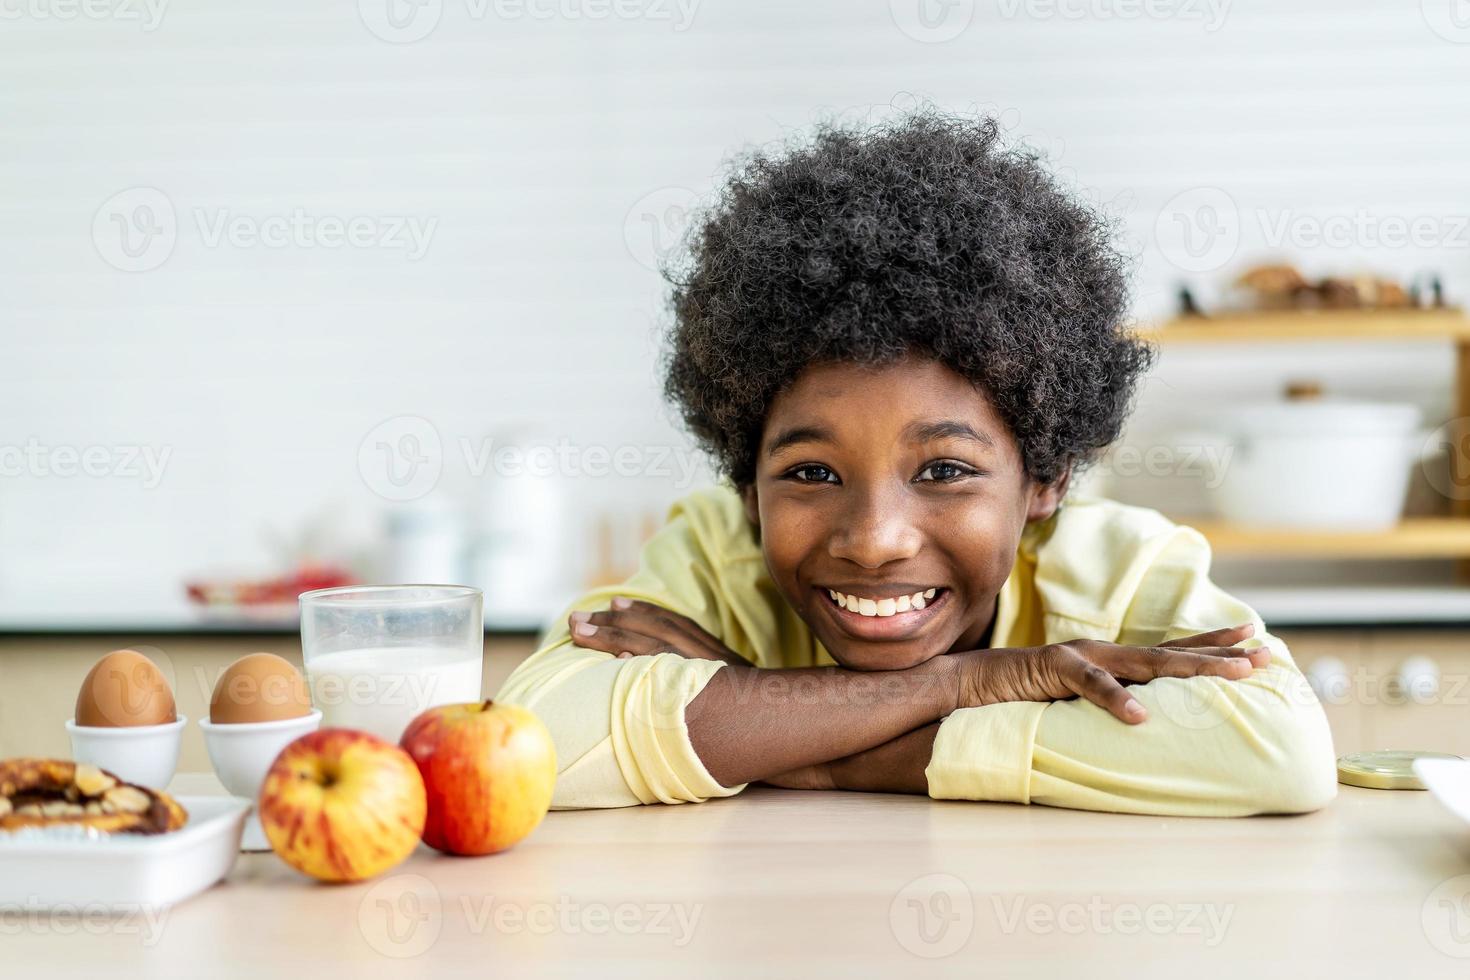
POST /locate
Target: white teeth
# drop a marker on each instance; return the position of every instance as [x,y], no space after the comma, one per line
[882,607]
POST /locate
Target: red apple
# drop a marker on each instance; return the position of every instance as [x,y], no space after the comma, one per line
[342,805]
[489,770]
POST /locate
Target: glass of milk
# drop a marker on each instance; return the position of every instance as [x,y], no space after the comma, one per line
[378,655]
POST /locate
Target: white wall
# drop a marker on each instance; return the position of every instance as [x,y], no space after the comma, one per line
[541,149]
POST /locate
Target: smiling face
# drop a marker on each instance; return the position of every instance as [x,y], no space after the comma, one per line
[900,490]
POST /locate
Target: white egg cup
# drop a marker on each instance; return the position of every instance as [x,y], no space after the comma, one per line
[142,754]
[242,754]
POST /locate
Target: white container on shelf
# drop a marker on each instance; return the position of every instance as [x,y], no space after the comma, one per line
[1321,464]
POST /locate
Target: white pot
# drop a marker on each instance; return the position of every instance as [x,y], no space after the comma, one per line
[1325,464]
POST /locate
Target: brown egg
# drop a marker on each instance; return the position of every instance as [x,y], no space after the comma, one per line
[259,687]
[124,690]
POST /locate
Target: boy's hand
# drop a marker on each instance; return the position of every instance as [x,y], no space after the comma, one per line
[1092,669]
[632,628]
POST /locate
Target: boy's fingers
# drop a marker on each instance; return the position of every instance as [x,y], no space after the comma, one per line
[611,639]
[652,620]
[1103,690]
[1224,636]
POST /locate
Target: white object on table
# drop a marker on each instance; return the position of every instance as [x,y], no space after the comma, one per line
[142,754]
[242,754]
[1449,781]
[50,869]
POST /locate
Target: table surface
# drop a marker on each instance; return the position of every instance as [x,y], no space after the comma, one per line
[774,882]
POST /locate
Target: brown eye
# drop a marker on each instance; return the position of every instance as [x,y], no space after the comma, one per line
[944,471]
[812,473]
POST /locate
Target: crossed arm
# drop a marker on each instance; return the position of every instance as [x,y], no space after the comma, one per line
[830,728]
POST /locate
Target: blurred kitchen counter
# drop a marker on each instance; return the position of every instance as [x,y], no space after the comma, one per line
[41,672]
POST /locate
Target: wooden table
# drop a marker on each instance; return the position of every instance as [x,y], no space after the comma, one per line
[777,883]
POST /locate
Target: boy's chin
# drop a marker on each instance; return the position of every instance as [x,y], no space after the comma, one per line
[882,656]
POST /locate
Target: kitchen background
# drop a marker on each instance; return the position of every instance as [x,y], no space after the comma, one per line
[322,290]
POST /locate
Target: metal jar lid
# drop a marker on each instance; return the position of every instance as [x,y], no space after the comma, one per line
[1390,769]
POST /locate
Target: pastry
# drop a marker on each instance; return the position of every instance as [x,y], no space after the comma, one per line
[58,792]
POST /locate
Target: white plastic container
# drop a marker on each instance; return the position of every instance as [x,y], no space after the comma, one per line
[142,754]
[242,754]
[60,868]
[1329,464]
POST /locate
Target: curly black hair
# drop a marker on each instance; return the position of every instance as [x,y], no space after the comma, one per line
[922,235]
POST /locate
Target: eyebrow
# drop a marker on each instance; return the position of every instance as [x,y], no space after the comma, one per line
[798,434]
[914,432]
[946,429]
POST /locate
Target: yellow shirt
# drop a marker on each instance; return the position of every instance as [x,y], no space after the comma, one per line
[1096,568]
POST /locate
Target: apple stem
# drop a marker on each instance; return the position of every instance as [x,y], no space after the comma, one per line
[489,703]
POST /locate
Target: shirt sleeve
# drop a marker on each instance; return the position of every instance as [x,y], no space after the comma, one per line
[619,725]
[1210,747]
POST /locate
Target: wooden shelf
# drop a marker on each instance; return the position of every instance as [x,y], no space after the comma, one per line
[1313,325]
[1413,537]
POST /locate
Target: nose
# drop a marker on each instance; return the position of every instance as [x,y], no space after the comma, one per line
[876,528]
